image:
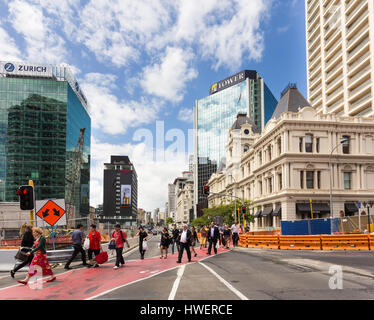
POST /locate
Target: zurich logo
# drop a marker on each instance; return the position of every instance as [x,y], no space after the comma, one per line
[9,67]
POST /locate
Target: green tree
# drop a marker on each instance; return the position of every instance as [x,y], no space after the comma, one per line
[169,220]
[226,211]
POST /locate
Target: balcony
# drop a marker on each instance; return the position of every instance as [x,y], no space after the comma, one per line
[360,88]
[316,59]
[332,72]
[333,93]
[359,36]
[334,80]
[336,46]
[313,11]
[355,25]
[313,72]
[364,57]
[331,37]
[313,89]
[360,101]
[364,71]
[350,4]
[336,105]
[314,92]
[356,12]
[331,61]
[314,80]
[358,47]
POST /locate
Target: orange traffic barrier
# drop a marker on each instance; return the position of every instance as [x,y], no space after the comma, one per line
[371,241]
[243,240]
[300,242]
[345,242]
[266,242]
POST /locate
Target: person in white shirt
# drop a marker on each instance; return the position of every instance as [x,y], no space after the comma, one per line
[185,243]
[235,234]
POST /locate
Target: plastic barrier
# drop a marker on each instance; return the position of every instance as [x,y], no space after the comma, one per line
[371,241]
[300,242]
[265,242]
[345,242]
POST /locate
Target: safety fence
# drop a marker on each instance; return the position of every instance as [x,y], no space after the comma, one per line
[312,242]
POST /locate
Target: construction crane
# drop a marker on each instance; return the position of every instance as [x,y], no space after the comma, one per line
[74,177]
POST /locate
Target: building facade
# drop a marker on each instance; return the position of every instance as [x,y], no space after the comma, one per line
[120,192]
[288,166]
[340,56]
[45,132]
[185,203]
[213,115]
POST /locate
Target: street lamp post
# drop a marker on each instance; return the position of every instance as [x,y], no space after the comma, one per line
[331,205]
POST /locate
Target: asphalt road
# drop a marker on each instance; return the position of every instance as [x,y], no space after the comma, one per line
[253,274]
[257,274]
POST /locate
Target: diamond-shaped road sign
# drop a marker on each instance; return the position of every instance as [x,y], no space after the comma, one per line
[51,212]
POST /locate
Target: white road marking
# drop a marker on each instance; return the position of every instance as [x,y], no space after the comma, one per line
[176,282]
[228,285]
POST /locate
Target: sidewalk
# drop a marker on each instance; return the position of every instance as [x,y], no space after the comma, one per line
[84,283]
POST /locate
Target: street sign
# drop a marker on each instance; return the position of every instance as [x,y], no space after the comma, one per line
[51,212]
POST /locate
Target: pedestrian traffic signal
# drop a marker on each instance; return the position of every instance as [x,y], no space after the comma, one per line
[26,197]
[206,190]
[244,210]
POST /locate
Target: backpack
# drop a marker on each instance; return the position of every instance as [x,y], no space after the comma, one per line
[123,239]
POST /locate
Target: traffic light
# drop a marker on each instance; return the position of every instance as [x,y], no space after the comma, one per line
[206,190]
[26,197]
[244,210]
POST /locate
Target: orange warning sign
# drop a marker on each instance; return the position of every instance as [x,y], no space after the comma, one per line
[51,213]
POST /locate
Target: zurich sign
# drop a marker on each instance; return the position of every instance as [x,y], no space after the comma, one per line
[9,67]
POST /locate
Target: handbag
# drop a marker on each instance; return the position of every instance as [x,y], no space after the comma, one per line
[112,245]
[21,254]
[144,245]
[102,257]
[217,245]
[86,244]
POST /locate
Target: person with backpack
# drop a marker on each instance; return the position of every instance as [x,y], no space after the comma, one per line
[120,238]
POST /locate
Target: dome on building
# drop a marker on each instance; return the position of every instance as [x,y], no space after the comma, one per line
[241,119]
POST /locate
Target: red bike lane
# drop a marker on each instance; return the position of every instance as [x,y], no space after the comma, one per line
[84,283]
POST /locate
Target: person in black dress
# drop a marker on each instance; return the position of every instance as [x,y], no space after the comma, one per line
[26,246]
[143,236]
[194,239]
[165,241]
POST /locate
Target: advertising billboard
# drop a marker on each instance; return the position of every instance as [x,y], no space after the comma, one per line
[125,195]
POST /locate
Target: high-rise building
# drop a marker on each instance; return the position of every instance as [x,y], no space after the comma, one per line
[171,200]
[45,132]
[120,192]
[340,56]
[244,92]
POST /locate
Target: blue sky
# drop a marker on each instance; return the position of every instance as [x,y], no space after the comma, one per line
[142,62]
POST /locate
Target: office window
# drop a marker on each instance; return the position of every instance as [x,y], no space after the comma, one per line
[279,146]
[269,152]
[270,185]
[302,179]
[346,144]
[317,145]
[308,143]
[260,187]
[246,148]
[347,180]
[301,144]
[280,181]
[310,179]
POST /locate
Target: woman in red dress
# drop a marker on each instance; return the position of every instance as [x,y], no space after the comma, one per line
[40,259]
[95,245]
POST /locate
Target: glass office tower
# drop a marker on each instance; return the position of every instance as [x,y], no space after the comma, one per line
[245,92]
[45,131]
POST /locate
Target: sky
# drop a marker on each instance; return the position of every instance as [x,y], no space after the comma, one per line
[143,64]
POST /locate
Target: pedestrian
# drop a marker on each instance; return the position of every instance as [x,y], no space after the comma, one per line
[143,236]
[213,237]
[95,245]
[40,258]
[227,236]
[120,238]
[77,236]
[206,242]
[185,239]
[26,246]
[194,239]
[165,242]
[174,239]
[220,228]
[235,234]
[203,234]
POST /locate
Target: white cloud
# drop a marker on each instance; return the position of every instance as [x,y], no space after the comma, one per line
[108,112]
[153,176]
[8,47]
[283,29]
[168,78]
[186,115]
[42,44]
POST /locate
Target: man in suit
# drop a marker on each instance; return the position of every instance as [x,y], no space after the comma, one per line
[213,236]
[185,238]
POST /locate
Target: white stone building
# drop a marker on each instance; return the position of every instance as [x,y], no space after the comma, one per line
[280,170]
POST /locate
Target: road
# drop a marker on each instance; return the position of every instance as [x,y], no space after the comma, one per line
[241,273]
